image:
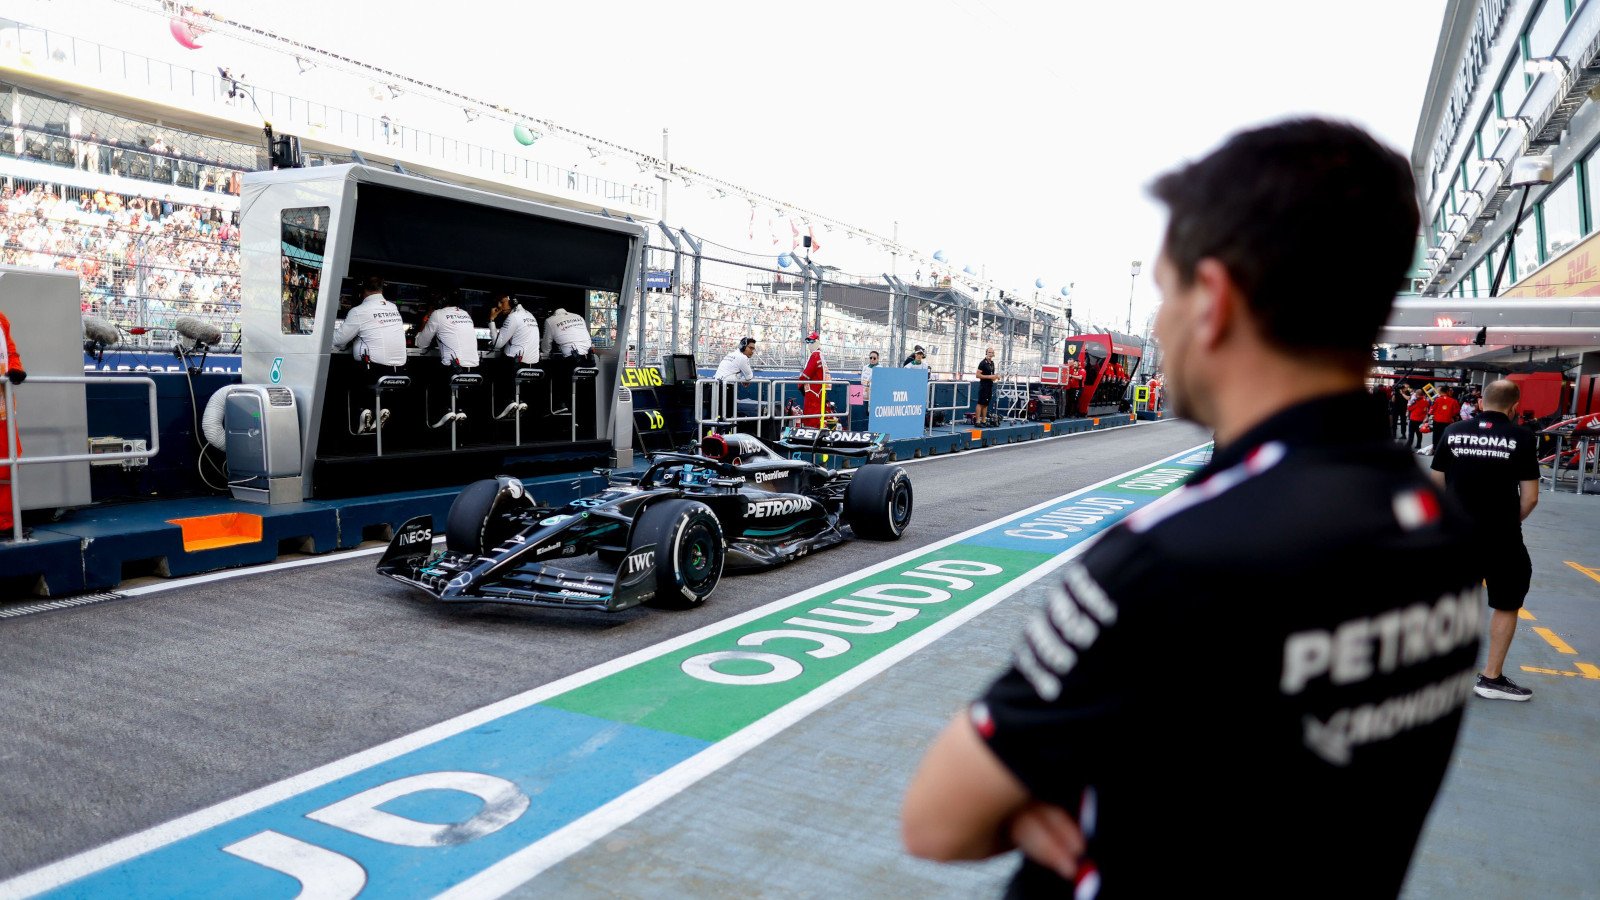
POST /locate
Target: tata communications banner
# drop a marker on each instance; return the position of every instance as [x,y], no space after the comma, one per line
[899,401]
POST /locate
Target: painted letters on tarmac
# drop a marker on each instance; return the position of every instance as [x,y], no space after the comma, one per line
[480,804]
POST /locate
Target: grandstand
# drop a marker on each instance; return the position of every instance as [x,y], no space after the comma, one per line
[147,214]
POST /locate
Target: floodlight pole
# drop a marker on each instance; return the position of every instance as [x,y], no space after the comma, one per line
[1137,265]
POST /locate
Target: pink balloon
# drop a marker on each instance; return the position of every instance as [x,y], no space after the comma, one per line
[186,33]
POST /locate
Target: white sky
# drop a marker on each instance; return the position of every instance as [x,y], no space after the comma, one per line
[1015,136]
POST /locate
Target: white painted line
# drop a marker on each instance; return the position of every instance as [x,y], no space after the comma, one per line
[225,574]
[72,868]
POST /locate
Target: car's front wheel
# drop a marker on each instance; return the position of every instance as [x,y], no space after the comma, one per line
[477,521]
[689,552]
[877,502]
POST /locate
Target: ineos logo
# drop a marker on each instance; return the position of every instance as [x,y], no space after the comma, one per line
[420,536]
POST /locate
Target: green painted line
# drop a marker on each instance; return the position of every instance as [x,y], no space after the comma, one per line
[725,682]
[659,694]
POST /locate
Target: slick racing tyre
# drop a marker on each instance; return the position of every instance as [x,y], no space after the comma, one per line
[877,502]
[687,539]
[477,521]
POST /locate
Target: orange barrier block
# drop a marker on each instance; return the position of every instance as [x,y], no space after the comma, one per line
[977,435]
[1047,428]
[220,530]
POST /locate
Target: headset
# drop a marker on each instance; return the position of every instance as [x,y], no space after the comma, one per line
[745,342]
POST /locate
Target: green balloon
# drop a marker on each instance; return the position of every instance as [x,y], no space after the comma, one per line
[524,134]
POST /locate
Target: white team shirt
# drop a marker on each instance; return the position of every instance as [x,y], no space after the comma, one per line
[376,330]
[735,367]
[458,337]
[568,332]
[519,336]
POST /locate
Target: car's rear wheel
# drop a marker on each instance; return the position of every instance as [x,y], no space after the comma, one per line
[477,521]
[877,502]
[687,540]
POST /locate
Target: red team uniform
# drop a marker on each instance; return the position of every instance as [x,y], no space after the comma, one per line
[815,371]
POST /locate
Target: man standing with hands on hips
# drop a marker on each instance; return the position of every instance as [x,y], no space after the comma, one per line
[1311,712]
[1491,468]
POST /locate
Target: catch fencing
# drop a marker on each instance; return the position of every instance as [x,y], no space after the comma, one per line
[702,298]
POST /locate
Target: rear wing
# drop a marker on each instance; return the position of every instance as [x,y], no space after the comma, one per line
[864,444]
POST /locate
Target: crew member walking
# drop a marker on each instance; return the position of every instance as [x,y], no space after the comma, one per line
[1418,415]
[1323,687]
[1445,408]
[11,369]
[1490,466]
[1397,410]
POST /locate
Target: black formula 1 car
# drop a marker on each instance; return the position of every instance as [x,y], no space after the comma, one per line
[664,537]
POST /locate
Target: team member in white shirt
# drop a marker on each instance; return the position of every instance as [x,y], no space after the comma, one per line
[458,337]
[376,336]
[518,337]
[735,370]
[566,345]
[518,343]
[458,346]
[568,332]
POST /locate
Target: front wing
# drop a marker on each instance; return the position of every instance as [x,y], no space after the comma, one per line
[513,574]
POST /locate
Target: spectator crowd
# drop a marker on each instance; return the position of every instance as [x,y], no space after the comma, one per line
[141,261]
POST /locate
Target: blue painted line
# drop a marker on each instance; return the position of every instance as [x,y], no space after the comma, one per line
[581,763]
[1052,529]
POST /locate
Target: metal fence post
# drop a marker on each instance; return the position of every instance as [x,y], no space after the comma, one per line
[817,274]
[677,279]
[644,301]
[890,356]
[694,296]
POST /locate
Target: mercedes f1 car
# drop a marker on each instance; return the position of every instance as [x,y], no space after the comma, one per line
[664,537]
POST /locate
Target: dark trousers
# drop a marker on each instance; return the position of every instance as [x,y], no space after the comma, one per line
[1399,426]
[1438,434]
[1414,440]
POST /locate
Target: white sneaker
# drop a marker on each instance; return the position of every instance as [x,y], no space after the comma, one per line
[461,417]
[522,407]
[444,420]
[366,422]
[383,416]
[511,408]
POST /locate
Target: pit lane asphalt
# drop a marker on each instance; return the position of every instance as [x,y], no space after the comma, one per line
[118,717]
